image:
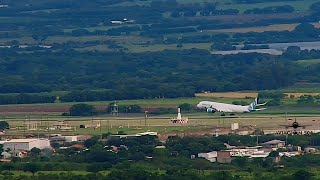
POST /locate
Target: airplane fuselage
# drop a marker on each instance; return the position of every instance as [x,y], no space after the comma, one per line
[223,107]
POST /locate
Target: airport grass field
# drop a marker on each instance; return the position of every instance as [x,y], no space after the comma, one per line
[199,122]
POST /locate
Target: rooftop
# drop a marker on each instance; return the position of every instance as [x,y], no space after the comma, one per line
[274,142]
[20,140]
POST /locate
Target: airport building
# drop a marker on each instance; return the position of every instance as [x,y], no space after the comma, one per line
[26,144]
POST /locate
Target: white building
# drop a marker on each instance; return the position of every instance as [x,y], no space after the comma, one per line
[26,144]
[210,156]
[79,138]
[234,126]
[71,138]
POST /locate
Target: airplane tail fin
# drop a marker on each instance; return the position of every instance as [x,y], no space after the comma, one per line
[254,104]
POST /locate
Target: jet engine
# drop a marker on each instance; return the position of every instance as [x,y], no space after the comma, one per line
[211,110]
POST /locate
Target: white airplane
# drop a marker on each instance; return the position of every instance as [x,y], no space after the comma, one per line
[213,107]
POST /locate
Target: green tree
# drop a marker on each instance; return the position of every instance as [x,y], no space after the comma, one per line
[35,151]
[7,167]
[90,142]
[274,154]
[241,161]
[4,125]
[306,99]
[221,175]
[302,175]
[82,110]
[96,167]
[55,145]
[185,107]
[32,167]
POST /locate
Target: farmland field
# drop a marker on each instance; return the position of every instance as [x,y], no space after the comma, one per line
[56,109]
[299,5]
[273,27]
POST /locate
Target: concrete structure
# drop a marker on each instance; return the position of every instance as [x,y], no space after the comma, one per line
[79,138]
[289,154]
[274,144]
[210,156]
[147,133]
[310,150]
[125,20]
[71,138]
[18,153]
[26,144]
[291,148]
[5,155]
[58,139]
[32,126]
[224,157]
[160,147]
[179,119]
[260,154]
[63,126]
[128,136]
[234,126]
[62,139]
[244,152]
[97,125]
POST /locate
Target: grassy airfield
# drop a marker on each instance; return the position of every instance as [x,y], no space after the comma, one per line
[203,123]
[135,123]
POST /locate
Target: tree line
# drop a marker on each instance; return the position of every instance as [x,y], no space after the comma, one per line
[180,75]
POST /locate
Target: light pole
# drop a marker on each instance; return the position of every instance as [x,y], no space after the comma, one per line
[145,118]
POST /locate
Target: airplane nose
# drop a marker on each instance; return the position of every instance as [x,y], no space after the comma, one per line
[198,105]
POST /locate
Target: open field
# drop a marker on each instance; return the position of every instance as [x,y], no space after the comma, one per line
[160,47]
[82,39]
[56,109]
[302,5]
[273,27]
[249,18]
[204,124]
[308,62]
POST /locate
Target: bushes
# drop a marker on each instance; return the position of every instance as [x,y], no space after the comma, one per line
[82,110]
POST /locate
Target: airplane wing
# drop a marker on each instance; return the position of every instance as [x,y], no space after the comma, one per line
[305,125]
[262,104]
[261,109]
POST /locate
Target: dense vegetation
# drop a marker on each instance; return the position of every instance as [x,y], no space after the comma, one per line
[132,76]
[51,46]
[137,158]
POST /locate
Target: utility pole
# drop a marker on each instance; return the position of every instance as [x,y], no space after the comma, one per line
[145,118]
[108,125]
